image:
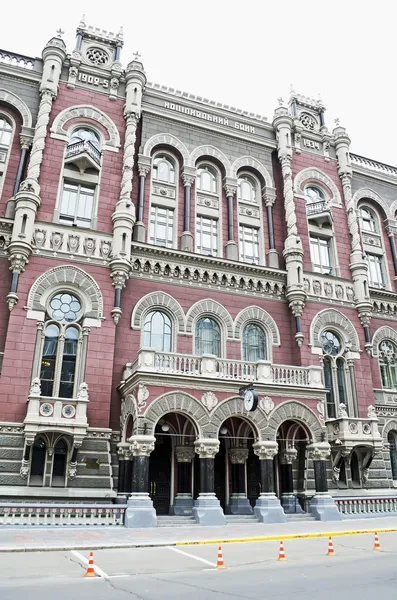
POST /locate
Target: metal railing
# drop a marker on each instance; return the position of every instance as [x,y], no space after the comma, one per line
[61,514]
[365,505]
[84,146]
[313,208]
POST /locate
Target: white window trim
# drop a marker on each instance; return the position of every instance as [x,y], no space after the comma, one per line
[9,118]
[169,204]
[376,251]
[246,221]
[210,213]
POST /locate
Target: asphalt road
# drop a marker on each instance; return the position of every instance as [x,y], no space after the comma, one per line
[357,572]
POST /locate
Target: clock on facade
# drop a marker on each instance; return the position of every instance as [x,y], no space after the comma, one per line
[250,400]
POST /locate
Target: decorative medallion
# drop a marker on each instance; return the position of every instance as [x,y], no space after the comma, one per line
[353,427]
[367,429]
[68,411]
[339,291]
[266,404]
[209,400]
[105,249]
[56,240]
[97,56]
[307,121]
[46,409]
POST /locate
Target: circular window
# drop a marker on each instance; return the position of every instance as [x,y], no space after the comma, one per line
[97,56]
[331,343]
[65,308]
[313,194]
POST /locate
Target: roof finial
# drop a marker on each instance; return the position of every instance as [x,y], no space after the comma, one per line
[280,101]
[136,55]
[337,122]
[82,21]
[60,33]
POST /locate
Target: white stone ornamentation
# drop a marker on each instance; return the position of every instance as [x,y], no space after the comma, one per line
[82,394]
[35,388]
[206,448]
[209,400]
[266,404]
[142,396]
[342,412]
[371,413]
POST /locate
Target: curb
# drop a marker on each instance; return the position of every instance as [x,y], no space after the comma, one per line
[265,538]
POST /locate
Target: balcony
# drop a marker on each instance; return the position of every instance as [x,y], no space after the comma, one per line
[84,155]
[345,432]
[209,366]
[319,212]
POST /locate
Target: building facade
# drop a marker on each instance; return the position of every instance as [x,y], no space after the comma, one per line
[198,308]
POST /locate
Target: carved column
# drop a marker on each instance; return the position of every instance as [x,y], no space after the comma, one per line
[188,178]
[230,186]
[124,481]
[239,503]
[390,230]
[144,164]
[268,508]
[206,509]
[27,200]
[322,505]
[358,266]
[140,511]
[183,503]
[123,218]
[288,498]
[26,142]
[293,249]
[269,196]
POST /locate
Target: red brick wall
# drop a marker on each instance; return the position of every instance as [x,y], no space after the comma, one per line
[13,159]
[111,161]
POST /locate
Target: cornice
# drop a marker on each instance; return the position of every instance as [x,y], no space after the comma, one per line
[33,82]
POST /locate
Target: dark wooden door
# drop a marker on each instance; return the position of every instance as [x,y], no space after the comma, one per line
[160,475]
[253,478]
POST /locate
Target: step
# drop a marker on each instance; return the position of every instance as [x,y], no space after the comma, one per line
[301,517]
[171,521]
[231,519]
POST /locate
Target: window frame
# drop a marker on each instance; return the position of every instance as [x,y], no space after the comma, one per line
[204,166]
[200,233]
[197,339]
[167,158]
[378,263]
[6,149]
[242,242]
[265,341]
[386,368]
[320,268]
[79,185]
[340,390]
[252,181]
[165,315]
[153,225]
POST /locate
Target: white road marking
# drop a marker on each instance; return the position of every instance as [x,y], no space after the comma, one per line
[83,559]
[207,562]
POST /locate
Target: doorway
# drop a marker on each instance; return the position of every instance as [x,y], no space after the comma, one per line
[160,473]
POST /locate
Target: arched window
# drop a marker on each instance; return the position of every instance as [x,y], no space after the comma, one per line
[163,169]
[59,464]
[388,364]
[60,349]
[207,180]
[247,189]
[37,468]
[368,220]
[157,332]
[208,337]
[334,373]
[85,135]
[314,194]
[254,343]
[391,438]
[5,132]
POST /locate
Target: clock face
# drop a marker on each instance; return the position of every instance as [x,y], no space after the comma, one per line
[250,400]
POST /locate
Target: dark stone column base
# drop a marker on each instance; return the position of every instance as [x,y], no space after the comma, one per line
[239,505]
[140,511]
[121,498]
[323,507]
[208,511]
[290,504]
[268,509]
[183,504]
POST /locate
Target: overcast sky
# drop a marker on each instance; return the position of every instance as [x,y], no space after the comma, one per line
[247,54]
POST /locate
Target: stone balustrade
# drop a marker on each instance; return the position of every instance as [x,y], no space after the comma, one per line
[348,432]
[207,365]
[61,514]
[16,60]
[365,505]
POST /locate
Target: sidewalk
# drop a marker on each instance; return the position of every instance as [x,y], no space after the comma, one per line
[30,539]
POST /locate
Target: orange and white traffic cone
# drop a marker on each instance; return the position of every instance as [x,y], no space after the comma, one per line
[220,564]
[90,571]
[281,554]
[331,551]
[376,542]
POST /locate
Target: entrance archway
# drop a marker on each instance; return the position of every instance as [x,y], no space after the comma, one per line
[37,468]
[170,465]
[290,465]
[237,469]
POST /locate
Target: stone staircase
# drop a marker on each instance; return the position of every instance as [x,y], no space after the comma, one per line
[175,521]
[298,517]
[247,519]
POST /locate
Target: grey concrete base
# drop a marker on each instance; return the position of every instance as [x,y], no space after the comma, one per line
[272,258]
[239,505]
[290,504]
[323,507]
[140,512]
[187,241]
[139,233]
[268,509]
[183,504]
[207,510]
[231,251]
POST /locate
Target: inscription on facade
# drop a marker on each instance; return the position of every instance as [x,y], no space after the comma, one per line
[186,110]
[311,144]
[97,81]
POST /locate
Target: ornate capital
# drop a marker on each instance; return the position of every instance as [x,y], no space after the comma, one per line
[124,451]
[269,195]
[119,279]
[188,179]
[297,307]
[365,318]
[26,141]
[238,456]
[265,450]
[230,186]
[319,451]
[184,454]
[288,455]
[18,263]
[142,445]
[206,448]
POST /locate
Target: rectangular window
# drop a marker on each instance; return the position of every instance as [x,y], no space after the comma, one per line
[249,244]
[376,274]
[76,205]
[161,226]
[207,236]
[320,255]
